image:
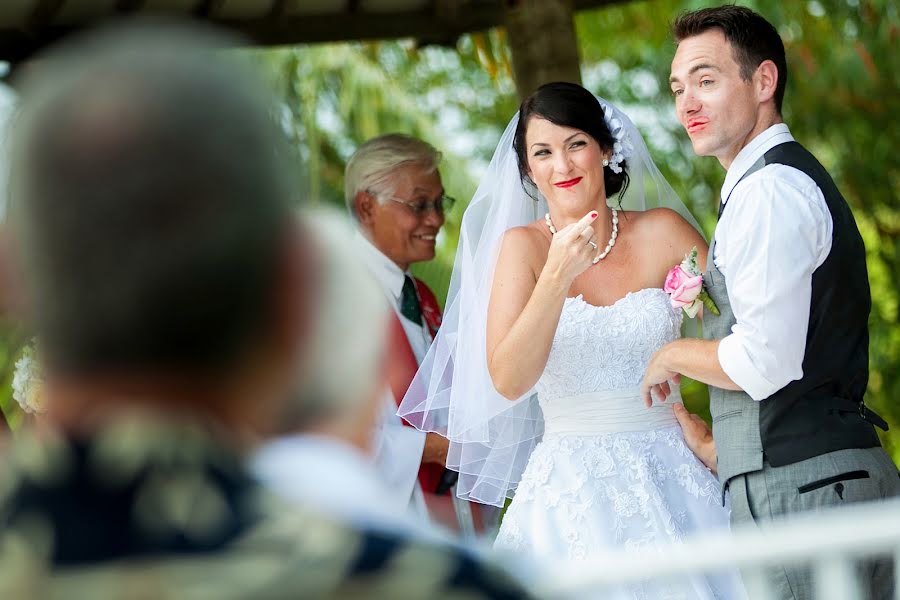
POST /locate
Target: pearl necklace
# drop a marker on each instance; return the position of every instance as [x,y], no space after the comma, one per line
[609,244]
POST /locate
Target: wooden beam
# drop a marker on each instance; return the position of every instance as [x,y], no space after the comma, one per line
[366,26]
[19,40]
[18,44]
[542,42]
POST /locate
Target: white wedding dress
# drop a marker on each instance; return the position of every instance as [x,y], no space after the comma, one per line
[610,473]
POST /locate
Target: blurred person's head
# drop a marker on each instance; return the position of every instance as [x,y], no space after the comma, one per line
[728,78]
[393,189]
[153,214]
[339,389]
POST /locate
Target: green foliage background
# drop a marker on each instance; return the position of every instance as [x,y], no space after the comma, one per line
[841,102]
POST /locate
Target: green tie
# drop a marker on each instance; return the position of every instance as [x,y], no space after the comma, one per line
[409,301]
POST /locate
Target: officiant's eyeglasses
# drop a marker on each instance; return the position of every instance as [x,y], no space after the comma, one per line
[444,203]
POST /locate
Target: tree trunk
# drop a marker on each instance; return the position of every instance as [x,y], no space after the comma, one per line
[542,42]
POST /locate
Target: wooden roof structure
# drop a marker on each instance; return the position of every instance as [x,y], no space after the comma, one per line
[28,25]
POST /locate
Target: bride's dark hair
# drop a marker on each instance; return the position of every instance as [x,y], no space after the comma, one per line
[567,105]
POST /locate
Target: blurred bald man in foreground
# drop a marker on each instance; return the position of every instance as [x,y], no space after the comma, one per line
[170,287]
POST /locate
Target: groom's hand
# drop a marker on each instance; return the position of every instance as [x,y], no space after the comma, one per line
[698,436]
[656,380]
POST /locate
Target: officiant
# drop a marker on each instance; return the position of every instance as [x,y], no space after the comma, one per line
[393,190]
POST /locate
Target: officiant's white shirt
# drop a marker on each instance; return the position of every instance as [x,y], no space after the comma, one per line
[774,233]
[334,477]
[391,279]
[398,448]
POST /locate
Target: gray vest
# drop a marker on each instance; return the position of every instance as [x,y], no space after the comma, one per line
[823,411]
[735,415]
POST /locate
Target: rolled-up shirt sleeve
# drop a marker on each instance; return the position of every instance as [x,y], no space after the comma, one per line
[778,233]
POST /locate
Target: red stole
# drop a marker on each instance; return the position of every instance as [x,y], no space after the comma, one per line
[403,367]
[431,311]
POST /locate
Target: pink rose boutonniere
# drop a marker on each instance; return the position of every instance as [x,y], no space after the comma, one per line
[684,284]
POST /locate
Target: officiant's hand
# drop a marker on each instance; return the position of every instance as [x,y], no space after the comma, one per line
[573,248]
[435,450]
[698,436]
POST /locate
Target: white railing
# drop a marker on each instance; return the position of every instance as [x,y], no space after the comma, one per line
[830,542]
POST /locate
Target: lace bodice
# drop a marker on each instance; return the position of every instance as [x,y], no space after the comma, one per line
[609,474]
[601,348]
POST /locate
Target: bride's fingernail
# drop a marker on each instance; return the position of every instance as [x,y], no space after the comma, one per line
[594,214]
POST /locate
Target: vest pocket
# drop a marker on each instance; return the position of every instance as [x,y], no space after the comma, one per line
[848,476]
[727,415]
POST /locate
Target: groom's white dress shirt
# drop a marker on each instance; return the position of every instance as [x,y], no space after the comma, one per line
[774,233]
[398,448]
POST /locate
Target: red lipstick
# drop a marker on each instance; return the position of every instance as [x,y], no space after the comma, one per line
[696,125]
[569,183]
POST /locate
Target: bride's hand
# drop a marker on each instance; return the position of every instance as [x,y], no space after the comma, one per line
[573,248]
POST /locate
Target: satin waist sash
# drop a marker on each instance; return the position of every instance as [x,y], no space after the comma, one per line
[613,411]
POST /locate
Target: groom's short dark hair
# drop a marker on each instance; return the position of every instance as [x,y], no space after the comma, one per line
[752,38]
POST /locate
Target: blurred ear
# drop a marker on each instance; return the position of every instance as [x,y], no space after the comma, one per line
[766,79]
[295,302]
[286,340]
[366,204]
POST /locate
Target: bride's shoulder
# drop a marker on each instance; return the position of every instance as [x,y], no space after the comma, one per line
[657,217]
[660,223]
[526,237]
[663,237]
[525,245]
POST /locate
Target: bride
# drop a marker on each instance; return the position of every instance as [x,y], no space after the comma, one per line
[555,307]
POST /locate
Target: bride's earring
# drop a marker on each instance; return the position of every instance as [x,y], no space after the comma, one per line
[605,162]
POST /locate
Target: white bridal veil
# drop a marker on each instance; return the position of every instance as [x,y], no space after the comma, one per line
[490,436]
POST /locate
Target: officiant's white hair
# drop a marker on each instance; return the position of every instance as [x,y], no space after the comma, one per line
[371,166]
[343,367]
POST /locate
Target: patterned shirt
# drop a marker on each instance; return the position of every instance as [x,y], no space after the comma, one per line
[145,509]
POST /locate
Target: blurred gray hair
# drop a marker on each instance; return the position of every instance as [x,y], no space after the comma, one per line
[151,200]
[348,349]
[371,166]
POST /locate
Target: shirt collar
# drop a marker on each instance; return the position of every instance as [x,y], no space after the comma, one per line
[773,136]
[312,452]
[386,272]
[318,467]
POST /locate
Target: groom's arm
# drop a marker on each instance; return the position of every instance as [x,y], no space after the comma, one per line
[697,359]
[769,276]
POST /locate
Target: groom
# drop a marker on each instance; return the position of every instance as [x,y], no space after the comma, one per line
[787,358]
